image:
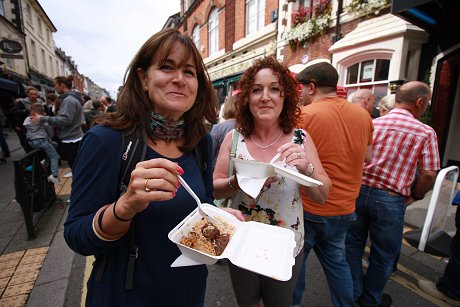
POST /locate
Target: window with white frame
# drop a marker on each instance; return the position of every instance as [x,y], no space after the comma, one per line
[40,28]
[370,74]
[213,24]
[33,53]
[50,60]
[29,13]
[9,63]
[2,8]
[255,15]
[196,36]
[45,67]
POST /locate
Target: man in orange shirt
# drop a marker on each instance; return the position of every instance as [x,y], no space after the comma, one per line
[342,133]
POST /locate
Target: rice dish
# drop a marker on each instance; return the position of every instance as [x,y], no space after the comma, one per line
[208,238]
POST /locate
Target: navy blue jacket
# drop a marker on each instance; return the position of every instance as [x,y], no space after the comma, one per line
[95,183]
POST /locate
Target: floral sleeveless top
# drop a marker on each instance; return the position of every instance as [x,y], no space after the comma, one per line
[278,205]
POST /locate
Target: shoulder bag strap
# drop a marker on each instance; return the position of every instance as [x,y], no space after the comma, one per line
[232,153]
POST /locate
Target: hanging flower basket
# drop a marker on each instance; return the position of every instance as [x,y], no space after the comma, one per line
[305,29]
[366,7]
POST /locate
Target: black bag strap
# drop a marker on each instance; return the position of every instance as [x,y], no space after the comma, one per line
[134,150]
[133,254]
[201,153]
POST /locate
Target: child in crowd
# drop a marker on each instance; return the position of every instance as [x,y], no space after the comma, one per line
[39,136]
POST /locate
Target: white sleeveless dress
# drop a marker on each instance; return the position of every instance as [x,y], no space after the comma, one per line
[280,204]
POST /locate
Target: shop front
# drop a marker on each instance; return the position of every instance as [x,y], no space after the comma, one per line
[441,55]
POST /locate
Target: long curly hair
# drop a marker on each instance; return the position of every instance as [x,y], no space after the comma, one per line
[134,105]
[291,111]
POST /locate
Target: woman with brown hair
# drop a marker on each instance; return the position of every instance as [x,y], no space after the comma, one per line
[266,114]
[166,97]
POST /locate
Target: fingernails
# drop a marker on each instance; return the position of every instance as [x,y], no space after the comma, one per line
[180,170]
[173,194]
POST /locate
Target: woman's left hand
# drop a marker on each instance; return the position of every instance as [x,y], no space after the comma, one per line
[236,213]
[294,155]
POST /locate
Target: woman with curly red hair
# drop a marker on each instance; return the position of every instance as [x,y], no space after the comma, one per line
[266,115]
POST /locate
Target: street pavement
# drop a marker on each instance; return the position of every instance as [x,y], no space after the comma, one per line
[45,272]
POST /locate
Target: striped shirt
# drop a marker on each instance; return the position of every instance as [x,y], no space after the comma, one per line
[401,145]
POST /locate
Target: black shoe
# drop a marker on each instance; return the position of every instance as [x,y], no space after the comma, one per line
[385,302]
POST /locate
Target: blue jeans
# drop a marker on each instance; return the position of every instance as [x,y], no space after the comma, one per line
[51,152]
[381,215]
[3,145]
[326,235]
[449,283]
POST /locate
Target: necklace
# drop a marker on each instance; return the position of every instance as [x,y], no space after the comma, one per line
[269,145]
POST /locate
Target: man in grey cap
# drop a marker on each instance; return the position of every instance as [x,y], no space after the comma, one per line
[342,133]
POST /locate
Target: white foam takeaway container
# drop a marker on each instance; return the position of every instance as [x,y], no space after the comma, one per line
[257,247]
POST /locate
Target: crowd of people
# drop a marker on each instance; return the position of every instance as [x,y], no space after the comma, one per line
[55,123]
[371,170]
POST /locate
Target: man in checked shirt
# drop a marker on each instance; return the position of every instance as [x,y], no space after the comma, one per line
[401,146]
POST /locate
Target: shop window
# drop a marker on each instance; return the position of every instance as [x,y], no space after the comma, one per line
[196,36]
[213,25]
[371,74]
[255,15]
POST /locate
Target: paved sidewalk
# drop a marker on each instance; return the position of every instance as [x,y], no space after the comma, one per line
[33,271]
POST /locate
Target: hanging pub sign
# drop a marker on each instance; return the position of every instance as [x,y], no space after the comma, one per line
[10,46]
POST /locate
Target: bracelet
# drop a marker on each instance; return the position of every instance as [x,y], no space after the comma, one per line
[116,216]
[230,185]
[312,168]
[99,219]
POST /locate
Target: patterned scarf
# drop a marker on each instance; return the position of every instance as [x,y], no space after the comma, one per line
[165,129]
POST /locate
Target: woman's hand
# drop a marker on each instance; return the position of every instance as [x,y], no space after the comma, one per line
[236,213]
[151,180]
[294,155]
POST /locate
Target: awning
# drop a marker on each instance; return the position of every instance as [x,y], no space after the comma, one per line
[435,16]
[225,81]
[8,85]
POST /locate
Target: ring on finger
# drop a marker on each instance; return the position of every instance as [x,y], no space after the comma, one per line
[146,189]
[299,155]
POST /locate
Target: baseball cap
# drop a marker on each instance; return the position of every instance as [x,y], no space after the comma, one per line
[321,74]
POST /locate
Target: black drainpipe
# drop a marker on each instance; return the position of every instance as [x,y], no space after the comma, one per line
[336,36]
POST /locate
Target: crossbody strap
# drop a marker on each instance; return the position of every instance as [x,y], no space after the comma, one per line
[232,153]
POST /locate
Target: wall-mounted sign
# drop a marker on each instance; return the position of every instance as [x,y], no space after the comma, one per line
[11,56]
[368,72]
[10,46]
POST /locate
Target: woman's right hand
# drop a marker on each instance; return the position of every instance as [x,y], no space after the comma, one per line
[151,180]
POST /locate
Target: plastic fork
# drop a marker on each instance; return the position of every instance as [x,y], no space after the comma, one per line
[276,157]
[201,209]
